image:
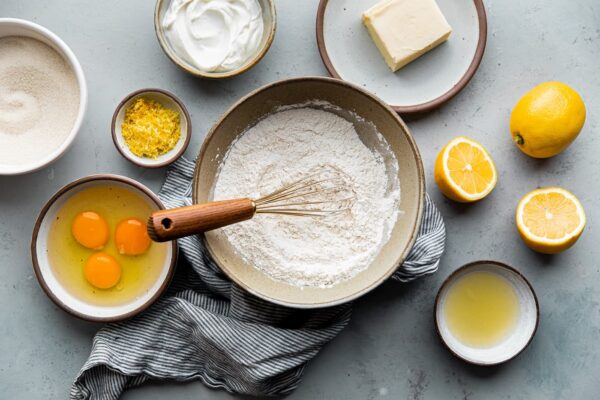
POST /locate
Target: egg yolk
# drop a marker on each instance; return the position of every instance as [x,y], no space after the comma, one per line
[102,271]
[90,230]
[132,237]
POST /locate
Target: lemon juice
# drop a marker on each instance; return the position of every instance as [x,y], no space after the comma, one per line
[481,309]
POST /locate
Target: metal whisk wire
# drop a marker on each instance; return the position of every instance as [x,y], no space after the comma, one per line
[324,192]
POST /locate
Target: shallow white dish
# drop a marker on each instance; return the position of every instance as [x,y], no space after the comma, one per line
[20,27]
[167,100]
[426,83]
[517,341]
[50,283]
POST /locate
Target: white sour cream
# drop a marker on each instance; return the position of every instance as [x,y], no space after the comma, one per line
[214,35]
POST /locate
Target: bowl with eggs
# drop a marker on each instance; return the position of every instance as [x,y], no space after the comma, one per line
[91,252]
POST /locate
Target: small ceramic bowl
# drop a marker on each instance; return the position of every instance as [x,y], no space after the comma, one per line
[51,284]
[19,27]
[167,100]
[516,341]
[270,25]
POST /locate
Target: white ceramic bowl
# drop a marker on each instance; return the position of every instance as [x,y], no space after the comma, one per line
[52,286]
[517,340]
[269,16]
[20,27]
[167,100]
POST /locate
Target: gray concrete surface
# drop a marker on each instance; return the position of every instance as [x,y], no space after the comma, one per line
[390,349]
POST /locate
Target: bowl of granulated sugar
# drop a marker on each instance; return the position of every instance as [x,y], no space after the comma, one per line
[43,96]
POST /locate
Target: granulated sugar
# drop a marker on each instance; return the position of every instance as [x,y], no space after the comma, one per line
[39,100]
[307,251]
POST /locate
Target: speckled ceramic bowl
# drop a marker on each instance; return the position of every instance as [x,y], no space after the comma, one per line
[52,285]
[270,25]
[516,341]
[167,100]
[369,115]
[20,27]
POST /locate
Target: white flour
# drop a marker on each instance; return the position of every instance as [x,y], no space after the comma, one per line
[39,100]
[307,251]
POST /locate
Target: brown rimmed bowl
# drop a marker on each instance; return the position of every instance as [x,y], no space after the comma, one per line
[423,85]
[511,346]
[51,284]
[369,115]
[269,16]
[167,100]
[24,28]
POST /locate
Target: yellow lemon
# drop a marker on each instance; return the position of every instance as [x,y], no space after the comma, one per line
[464,171]
[547,119]
[550,220]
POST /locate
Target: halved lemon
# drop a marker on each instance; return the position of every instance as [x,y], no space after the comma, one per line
[550,220]
[464,171]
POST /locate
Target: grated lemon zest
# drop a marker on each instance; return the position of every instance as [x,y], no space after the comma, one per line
[149,129]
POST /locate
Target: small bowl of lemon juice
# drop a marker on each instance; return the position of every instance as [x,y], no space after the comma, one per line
[486,313]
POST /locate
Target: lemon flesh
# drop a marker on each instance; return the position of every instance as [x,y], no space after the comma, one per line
[464,171]
[550,220]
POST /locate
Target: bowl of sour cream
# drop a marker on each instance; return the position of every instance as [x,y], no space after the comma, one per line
[215,38]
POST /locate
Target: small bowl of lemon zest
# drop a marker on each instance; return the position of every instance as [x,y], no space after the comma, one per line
[151,128]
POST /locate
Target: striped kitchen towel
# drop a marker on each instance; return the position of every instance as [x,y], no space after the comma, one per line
[207,328]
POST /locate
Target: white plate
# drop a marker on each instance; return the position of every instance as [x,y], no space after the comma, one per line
[426,83]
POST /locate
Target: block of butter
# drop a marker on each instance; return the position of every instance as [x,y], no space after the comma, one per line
[404,30]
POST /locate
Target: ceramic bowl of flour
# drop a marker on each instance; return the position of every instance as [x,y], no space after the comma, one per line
[43,96]
[369,131]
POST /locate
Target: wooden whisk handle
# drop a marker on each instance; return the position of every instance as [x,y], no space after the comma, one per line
[176,223]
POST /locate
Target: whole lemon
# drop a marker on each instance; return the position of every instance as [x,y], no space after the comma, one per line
[547,119]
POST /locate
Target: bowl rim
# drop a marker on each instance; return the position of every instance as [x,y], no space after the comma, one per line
[451,278]
[37,269]
[166,48]
[420,190]
[428,105]
[69,56]
[135,160]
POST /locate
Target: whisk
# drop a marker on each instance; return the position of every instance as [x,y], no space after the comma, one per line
[322,192]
